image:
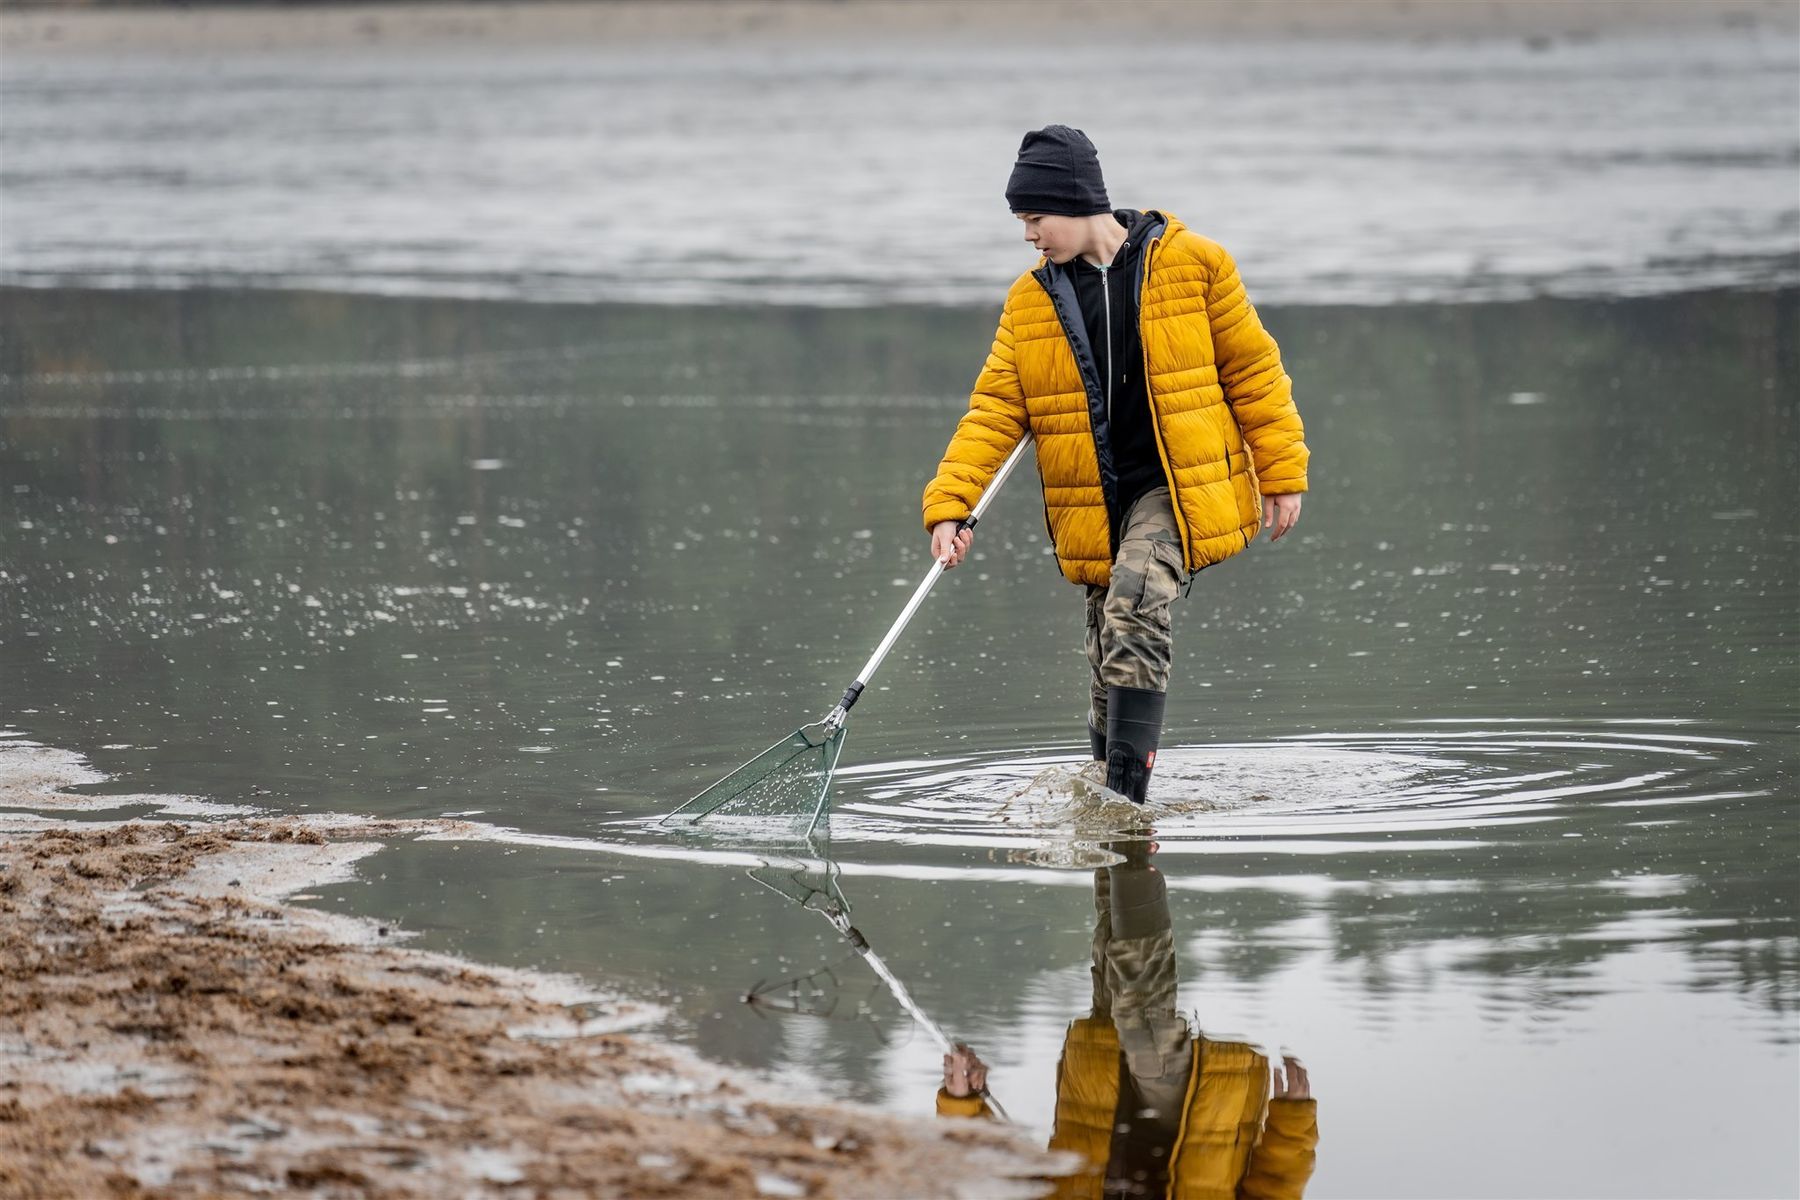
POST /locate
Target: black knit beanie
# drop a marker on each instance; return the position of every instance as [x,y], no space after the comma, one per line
[1058,173]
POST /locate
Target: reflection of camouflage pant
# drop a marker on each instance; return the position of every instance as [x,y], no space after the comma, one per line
[1128,621]
[1134,983]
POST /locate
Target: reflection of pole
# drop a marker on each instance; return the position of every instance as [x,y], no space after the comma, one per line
[841,922]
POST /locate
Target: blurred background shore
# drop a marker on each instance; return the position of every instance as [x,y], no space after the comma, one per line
[854,153]
[197,28]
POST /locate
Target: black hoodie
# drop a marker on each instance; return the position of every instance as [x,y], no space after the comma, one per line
[1120,350]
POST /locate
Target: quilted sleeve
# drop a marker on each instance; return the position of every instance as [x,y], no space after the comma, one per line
[1257,387]
[1283,1159]
[984,436]
[963,1106]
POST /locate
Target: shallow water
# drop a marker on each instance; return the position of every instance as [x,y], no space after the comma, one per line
[1479,789]
[1337,170]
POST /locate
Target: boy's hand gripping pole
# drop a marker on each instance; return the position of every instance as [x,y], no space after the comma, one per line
[836,718]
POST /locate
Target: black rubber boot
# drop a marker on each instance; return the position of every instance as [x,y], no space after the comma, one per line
[1097,740]
[1134,719]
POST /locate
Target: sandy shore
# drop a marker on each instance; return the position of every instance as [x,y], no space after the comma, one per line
[611,22]
[170,1027]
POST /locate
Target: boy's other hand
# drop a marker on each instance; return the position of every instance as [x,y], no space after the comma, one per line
[964,1073]
[1292,1083]
[948,544]
[1281,513]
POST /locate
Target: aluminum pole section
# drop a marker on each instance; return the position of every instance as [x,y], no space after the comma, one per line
[838,714]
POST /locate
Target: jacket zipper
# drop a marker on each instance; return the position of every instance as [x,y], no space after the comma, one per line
[1150,402]
[1063,318]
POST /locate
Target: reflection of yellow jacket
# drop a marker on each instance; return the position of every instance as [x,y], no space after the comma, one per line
[1221,403]
[1235,1143]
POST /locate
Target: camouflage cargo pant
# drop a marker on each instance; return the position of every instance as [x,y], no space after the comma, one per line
[1128,620]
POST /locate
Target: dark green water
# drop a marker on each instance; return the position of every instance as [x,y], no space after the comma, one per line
[1482,783]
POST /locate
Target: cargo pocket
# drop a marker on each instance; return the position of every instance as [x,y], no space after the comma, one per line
[1096,618]
[1163,575]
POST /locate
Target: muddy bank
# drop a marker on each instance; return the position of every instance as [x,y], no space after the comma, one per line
[169,1028]
[328,26]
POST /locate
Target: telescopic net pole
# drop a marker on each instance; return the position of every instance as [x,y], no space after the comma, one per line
[794,775]
[837,715]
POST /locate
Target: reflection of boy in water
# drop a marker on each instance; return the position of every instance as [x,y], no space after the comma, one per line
[1155,1110]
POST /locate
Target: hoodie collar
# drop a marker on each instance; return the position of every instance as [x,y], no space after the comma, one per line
[1141,228]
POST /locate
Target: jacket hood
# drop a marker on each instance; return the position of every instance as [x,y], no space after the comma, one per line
[1140,227]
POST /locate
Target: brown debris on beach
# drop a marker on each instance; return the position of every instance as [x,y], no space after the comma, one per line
[169,1029]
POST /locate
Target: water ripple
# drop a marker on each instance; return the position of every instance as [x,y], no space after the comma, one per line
[1315,793]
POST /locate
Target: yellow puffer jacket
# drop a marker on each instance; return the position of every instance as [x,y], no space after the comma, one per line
[1216,387]
[1235,1143]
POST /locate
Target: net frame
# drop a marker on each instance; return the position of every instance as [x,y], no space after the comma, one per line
[783,781]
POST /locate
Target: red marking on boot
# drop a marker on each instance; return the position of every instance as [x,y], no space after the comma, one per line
[1150,761]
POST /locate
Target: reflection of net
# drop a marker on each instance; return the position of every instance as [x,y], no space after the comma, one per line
[813,885]
[789,779]
[810,883]
[818,994]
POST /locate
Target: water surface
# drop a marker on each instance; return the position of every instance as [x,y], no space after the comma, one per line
[1478,789]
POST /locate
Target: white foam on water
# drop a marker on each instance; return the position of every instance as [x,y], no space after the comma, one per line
[37,778]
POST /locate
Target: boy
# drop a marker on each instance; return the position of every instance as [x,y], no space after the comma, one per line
[1165,425]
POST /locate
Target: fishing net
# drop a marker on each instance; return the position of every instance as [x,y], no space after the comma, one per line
[790,782]
[792,778]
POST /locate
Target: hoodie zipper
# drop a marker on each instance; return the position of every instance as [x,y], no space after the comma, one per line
[1106,301]
[1106,305]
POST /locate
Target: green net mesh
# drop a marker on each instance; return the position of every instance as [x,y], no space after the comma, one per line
[789,783]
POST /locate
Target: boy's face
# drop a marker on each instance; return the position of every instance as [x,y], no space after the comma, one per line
[1057,238]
